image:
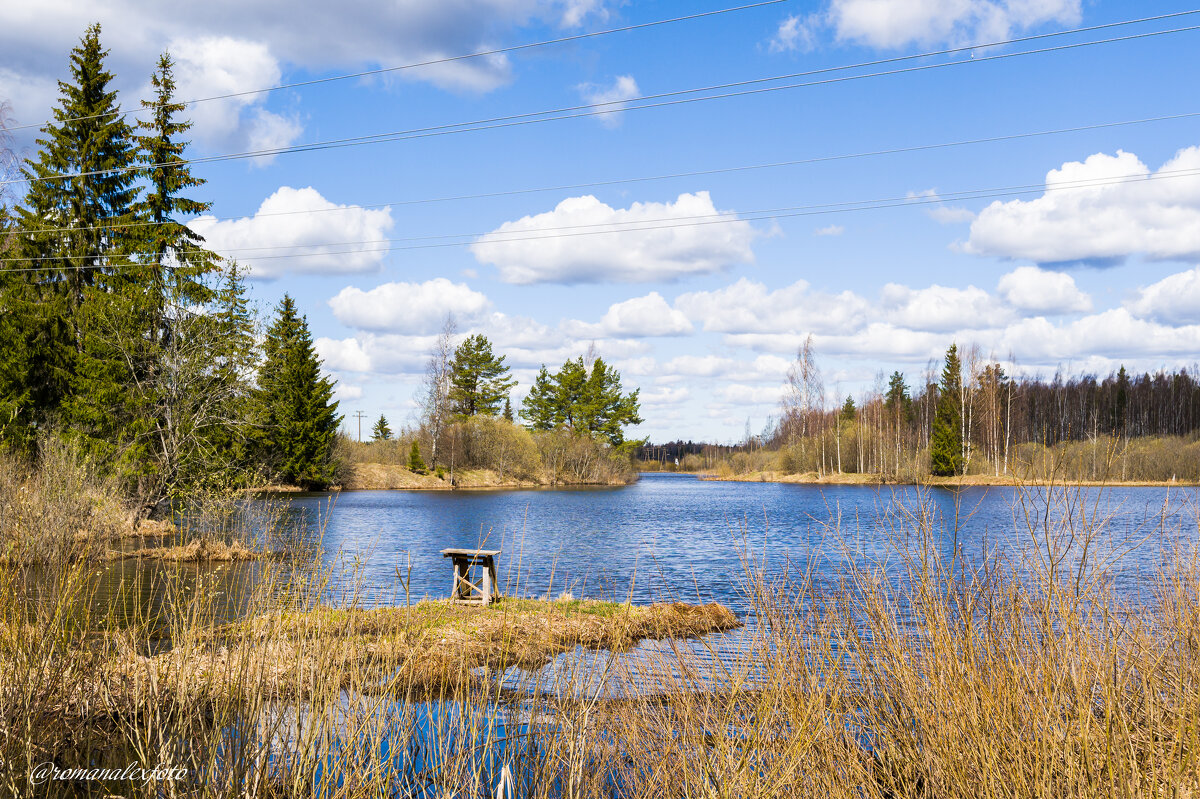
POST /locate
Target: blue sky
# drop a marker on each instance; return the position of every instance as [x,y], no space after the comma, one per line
[1094,265]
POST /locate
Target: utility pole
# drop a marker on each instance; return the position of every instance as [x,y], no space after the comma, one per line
[359,415]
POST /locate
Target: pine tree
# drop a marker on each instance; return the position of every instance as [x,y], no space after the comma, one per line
[75,222]
[589,403]
[897,401]
[946,444]
[415,464]
[479,380]
[508,411]
[538,409]
[297,416]
[603,410]
[570,387]
[381,431]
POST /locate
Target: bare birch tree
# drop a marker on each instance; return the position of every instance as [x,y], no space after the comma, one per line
[10,170]
[805,394]
[435,390]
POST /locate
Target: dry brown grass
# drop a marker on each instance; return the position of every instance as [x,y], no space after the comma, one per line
[922,674]
[433,648]
[199,550]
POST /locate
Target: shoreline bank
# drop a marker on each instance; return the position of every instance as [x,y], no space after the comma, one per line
[962,481]
[387,477]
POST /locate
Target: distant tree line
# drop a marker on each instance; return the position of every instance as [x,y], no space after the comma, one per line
[122,333]
[968,416]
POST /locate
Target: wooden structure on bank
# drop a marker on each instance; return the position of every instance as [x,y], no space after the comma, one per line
[483,592]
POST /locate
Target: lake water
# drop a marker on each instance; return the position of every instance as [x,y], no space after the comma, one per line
[670,537]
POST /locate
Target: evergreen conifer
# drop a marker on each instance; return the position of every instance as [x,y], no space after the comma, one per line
[946,444]
[76,220]
[538,409]
[381,431]
[415,464]
[297,416]
[479,380]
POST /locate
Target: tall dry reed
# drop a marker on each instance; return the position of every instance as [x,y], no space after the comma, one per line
[927,673]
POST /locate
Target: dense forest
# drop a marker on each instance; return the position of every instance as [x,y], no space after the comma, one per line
[972,418]
[122,336]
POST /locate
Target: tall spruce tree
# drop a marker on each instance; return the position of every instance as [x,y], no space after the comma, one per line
[174,404]
[382,431]
[177,265]
[75,224]
[946,443]
[296,412]
[479,380]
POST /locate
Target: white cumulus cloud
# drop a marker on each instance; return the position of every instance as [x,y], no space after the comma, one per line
[1043,291]
[747,306]
[284,237]
[640,316]
[941,308]
[211,66]
[1174,299]
[1086,216]
[343,355]
[408,307]
[1114,333]
[652,241]
[891,24]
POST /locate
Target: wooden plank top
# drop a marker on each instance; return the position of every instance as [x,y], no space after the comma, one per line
[470,553]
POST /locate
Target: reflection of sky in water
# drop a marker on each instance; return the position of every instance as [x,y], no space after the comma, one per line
[667,537]
[675,537]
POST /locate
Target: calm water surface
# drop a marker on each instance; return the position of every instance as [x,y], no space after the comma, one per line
[676,537]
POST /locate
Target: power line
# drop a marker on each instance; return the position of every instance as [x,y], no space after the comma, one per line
[609,107]
[427,63]
[665,176]
[570,231]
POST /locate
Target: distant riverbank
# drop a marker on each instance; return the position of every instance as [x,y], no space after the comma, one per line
[392,477]
[812,478]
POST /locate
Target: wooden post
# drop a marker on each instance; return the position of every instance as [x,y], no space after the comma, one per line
[487,583]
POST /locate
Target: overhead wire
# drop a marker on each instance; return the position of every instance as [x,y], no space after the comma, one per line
[627,105]
[665,176]
[426,63]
